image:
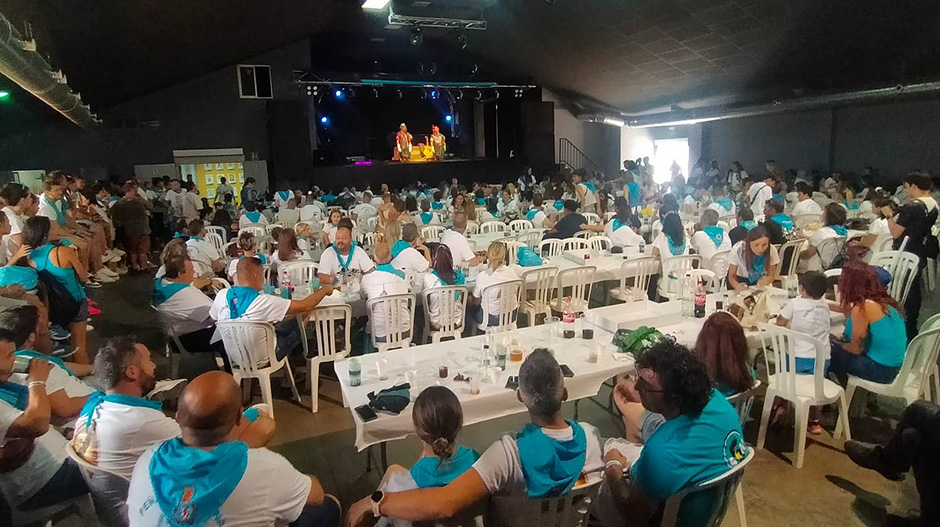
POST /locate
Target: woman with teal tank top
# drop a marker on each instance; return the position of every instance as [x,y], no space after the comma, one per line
[875,338]
[63,265]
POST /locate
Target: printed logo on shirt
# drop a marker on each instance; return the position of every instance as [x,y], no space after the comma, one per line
[185,512]
[735,450]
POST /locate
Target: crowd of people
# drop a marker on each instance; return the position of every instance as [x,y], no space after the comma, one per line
[209,464]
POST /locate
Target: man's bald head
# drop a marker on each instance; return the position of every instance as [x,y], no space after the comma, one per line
[209,409]
[460,221]
[250,273]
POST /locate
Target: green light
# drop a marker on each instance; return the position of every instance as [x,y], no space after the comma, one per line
[4,94]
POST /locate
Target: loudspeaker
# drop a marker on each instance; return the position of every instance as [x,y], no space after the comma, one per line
[538,133]
[289,137]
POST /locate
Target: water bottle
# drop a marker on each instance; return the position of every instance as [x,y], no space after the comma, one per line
[686,293]
[699,309]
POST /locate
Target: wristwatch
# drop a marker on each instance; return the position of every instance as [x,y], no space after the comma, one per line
[377,498]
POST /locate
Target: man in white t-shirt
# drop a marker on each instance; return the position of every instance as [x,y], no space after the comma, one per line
[364,210]
[410,254]
[758,194]
[250,304]
[343,256]
[251,216]
[710,238]
[289,216]
[174,197]
[550,441]
[385,280]
[460,249]
[184,308]
[35,471]
[805,205]
[190,203]
[537,214]
[585,195]
[249,486]
[206,258]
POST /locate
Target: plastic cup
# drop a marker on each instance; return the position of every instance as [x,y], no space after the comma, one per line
[355,372]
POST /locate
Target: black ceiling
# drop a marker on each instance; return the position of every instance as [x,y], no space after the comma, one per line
[628,54]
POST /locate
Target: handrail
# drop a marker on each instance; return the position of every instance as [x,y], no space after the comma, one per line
[569,154]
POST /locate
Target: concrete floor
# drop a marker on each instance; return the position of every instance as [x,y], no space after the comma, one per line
[828,491]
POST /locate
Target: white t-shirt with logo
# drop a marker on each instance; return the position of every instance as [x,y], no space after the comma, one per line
[381,283]
[704,246]
[410,260]
[460,249]
[271,493]
[202,253]
[188,309]
[489,277]
[47,457]
[329,263]
[264,308]
[810,317]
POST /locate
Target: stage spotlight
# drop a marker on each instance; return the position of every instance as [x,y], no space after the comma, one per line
[325,121]
[375,91]
[474,69]
[417,37]
[434,94]
[398,93]
[449,118]
[462,40]
[479,96]
[496,93]
[459,94]
[309,90]
[338,93]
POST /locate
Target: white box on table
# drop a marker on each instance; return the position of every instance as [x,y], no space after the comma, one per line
[582,256]
[632,315]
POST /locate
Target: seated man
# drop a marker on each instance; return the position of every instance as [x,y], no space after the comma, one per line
[569,224]
[247,301]
[405,252]
[289,216]
[35,471]
[459,247]
[700,438]
[745,224]
[344,256]
[806,205]
[547,458]
[778,225]
[364,210]
[67,394]
[185,308]
[207,476]
[206,258]
[385,280]
[252,216]
[537,216]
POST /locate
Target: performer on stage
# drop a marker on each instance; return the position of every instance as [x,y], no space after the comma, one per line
[438,142]
[402,145]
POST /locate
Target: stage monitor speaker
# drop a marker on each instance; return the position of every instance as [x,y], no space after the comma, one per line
[289,137]
[538,133]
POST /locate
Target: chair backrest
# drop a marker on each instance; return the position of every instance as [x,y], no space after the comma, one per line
[584,235]
[220,231]
[601,243]
[492,226]
[512,250]
[779,343]
[398,314]
[366,239]
[919,361]
[720,262]
[708,277]
[580,280]
[299,272]
[217,241]
[550,247]
[801,221]
[257,230]
[743,401]
[480,210]
[520,225]
[592,219]
[569,510]
[834,273]
[271,226]
[722,489]
[835,245]
[656,229]
[730,220]
[790,256]
[508,297]
[902,266]
[674,268]
[326,321]
[689,227]
[432,233]
[250,345]
[531,238]
[569,244]
[641,270]
[472,228]
[372,222]
[540,281]
[451,303]
[108,489]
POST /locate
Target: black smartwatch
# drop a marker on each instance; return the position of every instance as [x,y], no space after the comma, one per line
[377,498]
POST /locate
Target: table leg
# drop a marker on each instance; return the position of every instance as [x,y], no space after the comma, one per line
[369,459]
[576,403]
[384,458]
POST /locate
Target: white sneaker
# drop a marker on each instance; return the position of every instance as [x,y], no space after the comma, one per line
[104,277]
[110,259]
[108,272]
[121,270]
[117,252]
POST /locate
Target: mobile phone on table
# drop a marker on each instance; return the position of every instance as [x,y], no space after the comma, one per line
[366,413]
[566,371]
[512,383]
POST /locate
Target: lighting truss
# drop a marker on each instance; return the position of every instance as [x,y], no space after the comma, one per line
[397,19]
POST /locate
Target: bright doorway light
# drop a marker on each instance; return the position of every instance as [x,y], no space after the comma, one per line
[375,4]
[665,152]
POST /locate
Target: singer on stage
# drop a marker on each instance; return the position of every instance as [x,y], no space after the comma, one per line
[402,145]
[438,143]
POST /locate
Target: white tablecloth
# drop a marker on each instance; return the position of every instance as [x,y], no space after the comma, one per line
[463,356]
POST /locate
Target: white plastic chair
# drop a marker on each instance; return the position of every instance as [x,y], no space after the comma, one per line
[569,510]
[171,340]
[640,270]
[520,225]
[512,250]
[480,210]
[541,282]
[730,220]
[584,235]
[451,304]
[493,226]
[372,222]
[673,269]
[251,349]
[913,381]
[217,241]
[709,279]
[601,243]
[834,273]
[472,228]
[791,248]
[219,231]
[325,320]
[801,221]
[801,390]
[271,226]
[723,487]
[398,314]
[720,262]
[258,230]
[509,298]
[531,238]
[432,233]
[549,248]
[108,489]
[298,272]
[581,282]
[902,266]
[569,244]
[366,239]
[836,243]
[592,219]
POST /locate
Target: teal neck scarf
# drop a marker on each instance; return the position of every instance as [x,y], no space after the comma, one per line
[164,289]
[531,214]
[551,468]
[717,234]
[676,250]
[253,216]
[284,195]
[435,472]
[840,230]
[96,398]
[239,299]
[387,268]
[618,224]
[481,201]
[459,278]
[32,354]
[16,395]
[757,269]
[61,216]
[426,217]
[748,224]
[190,484]
[399,246]
[783,220]
[260,257]
[725,203]
[591,186]
[559,204]
[344,265]
[437,205]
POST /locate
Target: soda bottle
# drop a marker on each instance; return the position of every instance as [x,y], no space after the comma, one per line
[700,300]
[568,318]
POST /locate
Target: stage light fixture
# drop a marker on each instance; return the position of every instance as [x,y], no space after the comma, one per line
[433,69]
[375,91]
[434,94]
[338,93]
[474,69]
[449,118]
[417,37]
[325,120]
[459,94]
[479,96]
[309,90]
[496,93]
[375,5]
[462,40]
[398,93]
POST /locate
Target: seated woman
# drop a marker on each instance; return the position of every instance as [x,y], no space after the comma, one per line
[252,216]
[248,247]
[409,254]
[820,251]
[496,273]
[779,226]
[442,274]
[623,228]
[878,228]
[875,339]
[709,238]
[537,215]
[288,250]
[426,217]
[668,244]
[329,228]
[508,206]
[721,204]
[753,261]
[491,213]
[64,266]
[722,346]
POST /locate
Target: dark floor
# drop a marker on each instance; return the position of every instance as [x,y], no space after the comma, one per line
[829,491]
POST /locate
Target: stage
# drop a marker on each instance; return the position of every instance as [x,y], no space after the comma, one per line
[398,175]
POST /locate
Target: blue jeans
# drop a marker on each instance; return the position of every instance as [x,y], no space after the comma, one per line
[861,366]
[65,484]
[327,514]
[288,337]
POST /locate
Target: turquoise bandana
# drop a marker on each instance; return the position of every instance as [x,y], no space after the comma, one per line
[551,467]
[426,217]
[726,203]
[96,398]
[434,472]
[717,234]
[284,195]
[676,250]
[253,217]
[840,229]
[459,278]
[436,205]
[164,289]
[61,216]
[591,186]
[531,214]
[16,395]
[260,257]
[783,220]
[618,224]
[399,246]
[559,204]
[239,299]
[749,225]
[190,484]
[481,201]
[635,196]
[387,268]
[339,258]
[757,270]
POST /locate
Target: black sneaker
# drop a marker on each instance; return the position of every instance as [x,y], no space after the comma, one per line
[866,456]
